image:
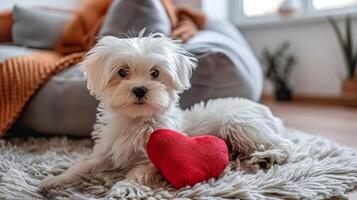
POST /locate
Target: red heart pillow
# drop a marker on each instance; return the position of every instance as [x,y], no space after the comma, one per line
[185,160]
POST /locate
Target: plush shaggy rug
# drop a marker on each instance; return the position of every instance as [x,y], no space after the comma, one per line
[317,169]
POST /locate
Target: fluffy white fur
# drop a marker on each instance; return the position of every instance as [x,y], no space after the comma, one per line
[125,121]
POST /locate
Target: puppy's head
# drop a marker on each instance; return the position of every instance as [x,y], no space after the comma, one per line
[139,76]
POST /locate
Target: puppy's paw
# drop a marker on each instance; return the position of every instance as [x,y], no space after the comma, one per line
[127,190]
[145,175]
[153,180]
[149,179]
[266,159]
[53,182]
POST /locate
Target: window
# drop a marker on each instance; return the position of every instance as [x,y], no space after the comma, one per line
[333,4]
[255,12]
[260,8]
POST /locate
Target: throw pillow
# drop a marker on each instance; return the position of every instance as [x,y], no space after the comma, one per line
[37,28]
[131,16]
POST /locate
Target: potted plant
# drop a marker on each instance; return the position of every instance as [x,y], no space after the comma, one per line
[278,66]
[349,86]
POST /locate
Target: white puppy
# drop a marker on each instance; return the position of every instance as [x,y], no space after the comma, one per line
[137,81]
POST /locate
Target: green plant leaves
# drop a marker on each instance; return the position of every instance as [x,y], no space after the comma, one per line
[346,43]
[278,65]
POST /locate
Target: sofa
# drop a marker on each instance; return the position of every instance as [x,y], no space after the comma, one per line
[226,68]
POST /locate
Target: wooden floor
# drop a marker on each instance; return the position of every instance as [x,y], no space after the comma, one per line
[337,123]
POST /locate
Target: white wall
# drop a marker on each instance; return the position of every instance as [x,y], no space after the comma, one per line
[320,68]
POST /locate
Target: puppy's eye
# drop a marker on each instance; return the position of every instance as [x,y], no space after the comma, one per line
[123,72]
[155,73]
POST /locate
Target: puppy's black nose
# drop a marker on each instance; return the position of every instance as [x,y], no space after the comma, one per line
[140,91]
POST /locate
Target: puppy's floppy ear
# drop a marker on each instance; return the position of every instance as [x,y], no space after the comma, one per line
[94,65]
[185,63]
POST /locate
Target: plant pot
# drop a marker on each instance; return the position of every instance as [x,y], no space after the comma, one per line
[349,92]
[283,94]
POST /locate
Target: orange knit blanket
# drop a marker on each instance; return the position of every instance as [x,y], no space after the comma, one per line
[21,77]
